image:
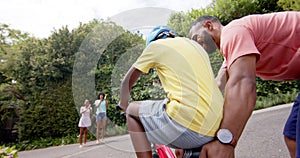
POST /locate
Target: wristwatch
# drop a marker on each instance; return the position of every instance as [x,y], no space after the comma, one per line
[226,137]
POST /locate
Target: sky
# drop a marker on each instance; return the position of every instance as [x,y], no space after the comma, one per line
[41,17]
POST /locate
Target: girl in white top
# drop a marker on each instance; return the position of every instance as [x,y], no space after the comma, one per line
[85,120]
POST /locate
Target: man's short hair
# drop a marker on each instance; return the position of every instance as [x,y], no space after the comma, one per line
[201,19]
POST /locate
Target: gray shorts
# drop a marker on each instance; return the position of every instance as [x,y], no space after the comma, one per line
[101,116]
[161,129]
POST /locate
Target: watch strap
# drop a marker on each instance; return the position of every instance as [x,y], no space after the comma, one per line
[233,142]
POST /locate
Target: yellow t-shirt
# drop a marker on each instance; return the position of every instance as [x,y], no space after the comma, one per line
[185,72]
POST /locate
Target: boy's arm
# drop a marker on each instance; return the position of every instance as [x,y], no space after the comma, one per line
[130,78]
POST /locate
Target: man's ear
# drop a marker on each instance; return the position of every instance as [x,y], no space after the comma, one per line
[209,25]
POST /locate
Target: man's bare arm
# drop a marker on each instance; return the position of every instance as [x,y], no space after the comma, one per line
[240,98]
[240,94]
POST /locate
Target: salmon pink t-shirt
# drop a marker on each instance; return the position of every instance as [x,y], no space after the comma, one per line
[274,38]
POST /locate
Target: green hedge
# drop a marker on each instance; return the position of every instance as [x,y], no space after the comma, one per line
[49,114]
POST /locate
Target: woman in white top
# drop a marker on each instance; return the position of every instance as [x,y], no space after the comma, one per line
[101,105]
[85,121]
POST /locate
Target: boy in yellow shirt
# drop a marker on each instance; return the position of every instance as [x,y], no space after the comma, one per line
[191,114]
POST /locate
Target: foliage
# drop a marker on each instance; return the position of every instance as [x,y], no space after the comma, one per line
[181,23]
[8,152]
[276,99]
[127,46]
[41,69]
[228,10]
[44,71]
[268,6]
[289,5]
[216,60]
[50,114]
[10,95]
[264,88]
[115,116]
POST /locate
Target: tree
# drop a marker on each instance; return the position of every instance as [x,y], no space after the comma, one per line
[228,10]
[10,95]
[181,22]
[46,66]
[289,5]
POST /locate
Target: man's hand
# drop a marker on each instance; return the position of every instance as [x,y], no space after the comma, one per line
[215,149]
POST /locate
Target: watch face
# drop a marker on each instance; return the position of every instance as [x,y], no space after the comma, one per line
[224,136]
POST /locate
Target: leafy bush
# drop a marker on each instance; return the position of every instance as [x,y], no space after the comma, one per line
[264,88]
[8,152]
[52,113]
[115,116]
[276,99]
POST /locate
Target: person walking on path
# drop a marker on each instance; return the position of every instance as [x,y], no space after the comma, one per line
[191,114]
[85,121]
[263,45]
[101,105]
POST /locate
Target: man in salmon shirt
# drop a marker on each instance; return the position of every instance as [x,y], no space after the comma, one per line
[265,45]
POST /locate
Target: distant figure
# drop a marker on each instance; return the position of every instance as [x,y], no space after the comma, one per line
[101,105]
[85,121]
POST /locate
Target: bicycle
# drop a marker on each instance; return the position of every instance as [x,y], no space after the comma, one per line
[163,151]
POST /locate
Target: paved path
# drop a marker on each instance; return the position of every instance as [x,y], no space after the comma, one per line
[262,138]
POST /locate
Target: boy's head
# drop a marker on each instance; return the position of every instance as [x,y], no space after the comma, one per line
[160,32]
